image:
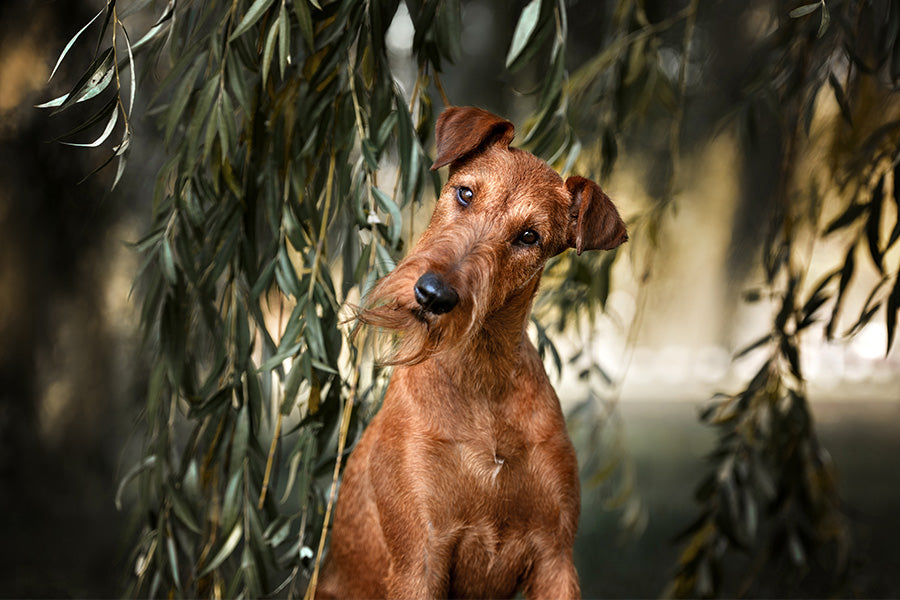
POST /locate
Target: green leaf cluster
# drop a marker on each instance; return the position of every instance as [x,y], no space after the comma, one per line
[274,212]
[268,215]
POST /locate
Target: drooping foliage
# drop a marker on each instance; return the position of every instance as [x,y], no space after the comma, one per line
[295,163]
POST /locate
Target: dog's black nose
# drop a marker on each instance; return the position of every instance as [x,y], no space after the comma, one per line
[434,294]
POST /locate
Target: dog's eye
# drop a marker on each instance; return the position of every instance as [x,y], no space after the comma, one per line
[464,195]
[529,237]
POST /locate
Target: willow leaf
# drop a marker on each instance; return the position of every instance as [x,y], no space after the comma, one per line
[72,43]
[226,549]
[100,115]
[110,125]
[253,14]
[802,11]
[162,22]
[269,50]
[173,561]
[131,71]
[389,206]
[123,150]
[145,464]
[528,21]
[94,81]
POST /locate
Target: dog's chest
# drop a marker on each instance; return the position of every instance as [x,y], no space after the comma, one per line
[489,465]
[495,464]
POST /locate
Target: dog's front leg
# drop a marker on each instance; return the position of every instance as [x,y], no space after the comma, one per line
[419,568]
[419,554]
[553,575]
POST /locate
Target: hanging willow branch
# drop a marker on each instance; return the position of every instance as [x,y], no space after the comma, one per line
[278,118]
[275,208]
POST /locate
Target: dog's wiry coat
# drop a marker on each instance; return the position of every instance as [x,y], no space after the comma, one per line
[465,484]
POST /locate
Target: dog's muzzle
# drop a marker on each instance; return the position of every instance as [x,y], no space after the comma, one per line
[434,294]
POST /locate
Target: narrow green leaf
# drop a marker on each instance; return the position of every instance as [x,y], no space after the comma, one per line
[315,337]
[183,510]
[53,103]
[161,23]
[795,550]
[286,275]
[528,21]
[110,125]
[226,124]
[173,561]
[362,264]
[292,382]
[269,50]
[285,352]
[540,128]
[278,530]
[802,11]
[284,40]
[826,19]
[96,79]
[154,390]
[574,153]
[191,482]
[264,281]
[202,111]
[231,501]
[225,551]
[388,205]
[72,43]
[369,154]
[448,29]
[110,8]
[241,438]
[175,111]
[253,14]
[131,72]
[238,84]
[100,115]
[384,263]
[553,80]
[212,126]
[167,262]
[301,10]
[318,364]
[123,150]
[142,466]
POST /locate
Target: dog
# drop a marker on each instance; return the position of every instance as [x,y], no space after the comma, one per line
[465,484]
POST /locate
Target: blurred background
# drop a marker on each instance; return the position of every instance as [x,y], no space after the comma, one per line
[73,371]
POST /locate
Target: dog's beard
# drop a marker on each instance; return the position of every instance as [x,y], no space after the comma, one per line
[391,306]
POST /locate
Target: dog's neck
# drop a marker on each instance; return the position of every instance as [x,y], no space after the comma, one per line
[503,337]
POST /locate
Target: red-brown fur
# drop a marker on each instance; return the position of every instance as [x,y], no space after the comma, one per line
[465,484]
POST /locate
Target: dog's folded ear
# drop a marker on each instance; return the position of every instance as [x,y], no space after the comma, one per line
[594,222]
[461,130]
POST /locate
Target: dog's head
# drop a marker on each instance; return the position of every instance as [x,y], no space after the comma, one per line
[501,215]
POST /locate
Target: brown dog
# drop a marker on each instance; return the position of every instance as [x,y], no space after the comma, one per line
[466,484]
